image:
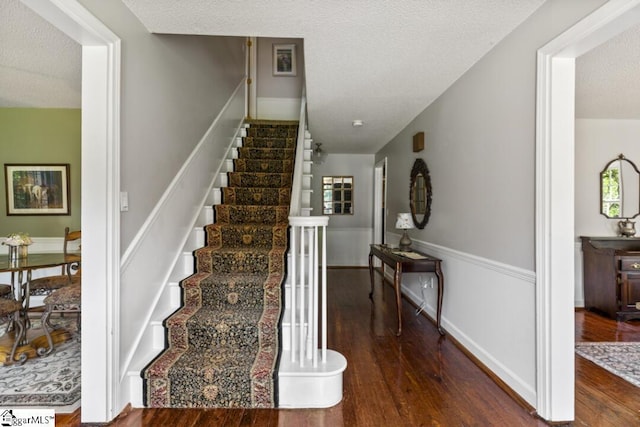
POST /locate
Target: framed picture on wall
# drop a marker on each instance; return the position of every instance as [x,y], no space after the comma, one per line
[37,189]
[284,60]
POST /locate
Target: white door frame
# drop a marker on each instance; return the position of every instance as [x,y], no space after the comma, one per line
[252,93]
[379,200]
[100,202]
[555,122]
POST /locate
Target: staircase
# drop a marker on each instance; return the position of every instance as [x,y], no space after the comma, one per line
[223,343]
[309,374]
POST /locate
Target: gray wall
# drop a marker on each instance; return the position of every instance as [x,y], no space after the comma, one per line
[45,136]
[172,89]
[348,236]
[597,143]
[479,147]
[270,86]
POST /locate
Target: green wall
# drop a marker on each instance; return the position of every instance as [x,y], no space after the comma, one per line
[41,135]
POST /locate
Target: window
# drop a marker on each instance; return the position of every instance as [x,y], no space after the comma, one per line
[337,195]
[611,191]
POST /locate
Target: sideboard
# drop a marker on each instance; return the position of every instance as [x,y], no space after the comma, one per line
[611,268]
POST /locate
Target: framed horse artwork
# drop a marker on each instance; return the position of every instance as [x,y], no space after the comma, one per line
[37,189]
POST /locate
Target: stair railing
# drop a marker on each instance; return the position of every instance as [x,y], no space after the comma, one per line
[308,277]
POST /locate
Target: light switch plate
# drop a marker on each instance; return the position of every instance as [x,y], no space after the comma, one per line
[124,201]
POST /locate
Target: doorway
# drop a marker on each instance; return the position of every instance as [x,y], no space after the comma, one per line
[380,201]
[100,202]
[555,151]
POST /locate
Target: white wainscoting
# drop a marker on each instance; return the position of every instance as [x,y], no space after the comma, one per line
[278,108]
[348,247]
[489,308]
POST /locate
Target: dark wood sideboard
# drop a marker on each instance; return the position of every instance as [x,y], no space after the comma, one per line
[611,268]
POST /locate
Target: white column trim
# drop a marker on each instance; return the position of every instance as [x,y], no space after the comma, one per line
[100,201]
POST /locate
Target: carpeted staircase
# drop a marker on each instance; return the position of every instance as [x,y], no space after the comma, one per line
[223,343]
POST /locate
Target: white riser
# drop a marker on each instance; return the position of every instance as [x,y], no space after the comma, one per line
[216,197]
[306,198]
[195,239]
[309,387]
[306,167]
[152,341]
[207,216]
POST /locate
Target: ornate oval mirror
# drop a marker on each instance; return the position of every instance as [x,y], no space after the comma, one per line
[620,189]
[420,193]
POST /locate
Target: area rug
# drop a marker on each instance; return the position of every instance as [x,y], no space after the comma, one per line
[619,358]
[223,344]
[45,382]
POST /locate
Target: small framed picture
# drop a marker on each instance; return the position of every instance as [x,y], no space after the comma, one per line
[284,60]
[37,189]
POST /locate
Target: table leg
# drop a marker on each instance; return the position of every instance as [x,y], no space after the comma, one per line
[397,282]
[26,295]
[371,274]
[440,292]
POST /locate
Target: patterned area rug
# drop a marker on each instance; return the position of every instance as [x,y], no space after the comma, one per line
[223,343]
[619,358]
[45,382]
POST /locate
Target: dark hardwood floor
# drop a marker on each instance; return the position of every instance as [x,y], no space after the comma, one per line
[418,379]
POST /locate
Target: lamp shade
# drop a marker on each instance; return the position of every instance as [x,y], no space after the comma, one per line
[404,221]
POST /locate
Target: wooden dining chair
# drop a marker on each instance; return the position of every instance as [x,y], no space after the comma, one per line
[69,272]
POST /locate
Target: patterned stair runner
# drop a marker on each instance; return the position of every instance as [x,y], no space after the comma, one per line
[223,344]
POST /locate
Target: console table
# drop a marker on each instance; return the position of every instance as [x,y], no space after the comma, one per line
[420,263]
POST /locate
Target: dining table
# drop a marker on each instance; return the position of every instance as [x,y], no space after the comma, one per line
[21,272]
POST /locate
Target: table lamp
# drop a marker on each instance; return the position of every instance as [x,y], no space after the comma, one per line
[404,222]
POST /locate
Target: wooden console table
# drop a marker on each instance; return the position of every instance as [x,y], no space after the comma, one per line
[424,264]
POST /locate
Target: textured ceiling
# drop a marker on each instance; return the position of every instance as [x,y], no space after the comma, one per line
[608,79]
[39,65]
[379,61]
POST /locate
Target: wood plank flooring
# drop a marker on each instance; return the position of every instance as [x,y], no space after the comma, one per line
[418,379]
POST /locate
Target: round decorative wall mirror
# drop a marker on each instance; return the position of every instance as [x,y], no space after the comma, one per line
[420,193]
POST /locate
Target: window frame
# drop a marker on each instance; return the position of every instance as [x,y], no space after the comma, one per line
[329,191]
